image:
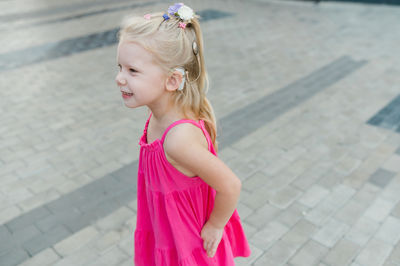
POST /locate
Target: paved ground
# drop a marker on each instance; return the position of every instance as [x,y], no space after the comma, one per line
[307,100]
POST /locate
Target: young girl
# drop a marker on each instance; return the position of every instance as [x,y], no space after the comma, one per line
[186,195]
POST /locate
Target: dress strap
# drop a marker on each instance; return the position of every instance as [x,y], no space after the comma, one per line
[147,124]
[199,124]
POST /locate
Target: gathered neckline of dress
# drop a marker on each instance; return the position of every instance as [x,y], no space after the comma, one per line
[155,143]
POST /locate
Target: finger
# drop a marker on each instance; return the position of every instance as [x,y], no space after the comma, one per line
[213,250]
[207,245]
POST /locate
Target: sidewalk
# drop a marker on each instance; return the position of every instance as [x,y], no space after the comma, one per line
[307,101]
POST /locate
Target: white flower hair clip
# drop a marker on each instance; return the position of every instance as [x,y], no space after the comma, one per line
[182,12]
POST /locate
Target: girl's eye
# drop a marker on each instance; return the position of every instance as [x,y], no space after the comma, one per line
[132,70]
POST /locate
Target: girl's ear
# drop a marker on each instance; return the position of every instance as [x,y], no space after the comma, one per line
[173,81]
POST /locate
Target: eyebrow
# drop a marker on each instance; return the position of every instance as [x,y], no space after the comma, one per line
[129,65]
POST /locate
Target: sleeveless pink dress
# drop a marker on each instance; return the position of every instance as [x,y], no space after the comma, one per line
[172,210]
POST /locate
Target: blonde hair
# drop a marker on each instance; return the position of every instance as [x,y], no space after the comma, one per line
[172,47]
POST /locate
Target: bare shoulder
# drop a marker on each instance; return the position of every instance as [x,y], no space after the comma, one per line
[184,136]
[186,146]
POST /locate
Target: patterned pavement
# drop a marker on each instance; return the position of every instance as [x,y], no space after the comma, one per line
[307,101]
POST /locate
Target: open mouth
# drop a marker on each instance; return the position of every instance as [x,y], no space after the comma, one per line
[125,94]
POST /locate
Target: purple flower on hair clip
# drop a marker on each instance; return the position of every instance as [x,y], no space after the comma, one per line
[174,9]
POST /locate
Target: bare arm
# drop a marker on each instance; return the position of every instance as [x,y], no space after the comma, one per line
[184,146]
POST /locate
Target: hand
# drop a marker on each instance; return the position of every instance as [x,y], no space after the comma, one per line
[211,236]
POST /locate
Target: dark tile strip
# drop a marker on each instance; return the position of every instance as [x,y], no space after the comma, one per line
[44,226]
[54,11]
[382,2]
[50,51]
[270,107]
[389,116]
[381,177]
[88,14]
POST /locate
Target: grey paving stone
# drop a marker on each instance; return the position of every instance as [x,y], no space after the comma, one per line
[7,241]
[313,196]
[60,217]
[285,197]
[13,257]
[257,198]
[287,246]
[24,234]
[331,233]
[262,216]
[396,211]
[46,257]
[254,181]
[45,240]
[367,194]
[362,231]
[351,212]
[389,116]
[342,253]
[27,218]
[293,214]
[375,253]
[310,254]
[379,210]
[267,236]
[395,255]
[389,231]
[381,177]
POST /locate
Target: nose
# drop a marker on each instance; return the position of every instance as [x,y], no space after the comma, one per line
[120,80]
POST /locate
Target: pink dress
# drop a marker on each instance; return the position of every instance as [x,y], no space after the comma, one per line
[172,210]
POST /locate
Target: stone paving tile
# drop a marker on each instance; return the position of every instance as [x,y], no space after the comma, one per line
[342,253]
[374,253]
[330,233]
[313,196]
[381,177]
[292,214]
[287,246]
[46,257]
[395,255]
[396,211]
[362,231]
[266,237]
[310,254]
[351,212]
[285,197]
[379,210]
[389,231]
[393,163]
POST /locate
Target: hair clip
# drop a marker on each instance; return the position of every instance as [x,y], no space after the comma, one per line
[182,12]
[166,17]
[147,16]
[182,71]
[182,25]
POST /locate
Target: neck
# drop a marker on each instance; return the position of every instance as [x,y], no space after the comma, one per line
[164,111]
